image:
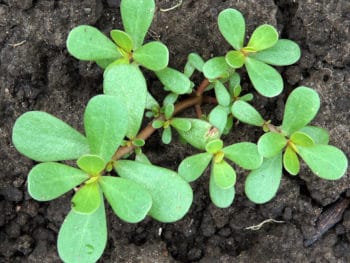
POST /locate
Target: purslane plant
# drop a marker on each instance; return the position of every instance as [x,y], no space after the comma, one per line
[137,188]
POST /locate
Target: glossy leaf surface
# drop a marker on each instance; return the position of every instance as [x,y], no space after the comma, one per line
[291,161]
[192,167]
[87,199]
[232,27]
[122,39]
[235,58]
[224,175]
[245,154]
[263,37]
[301,138]
[153,55]
[319,135]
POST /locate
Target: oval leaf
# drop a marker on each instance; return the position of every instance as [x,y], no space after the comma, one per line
[265,79]
[105,122]
[88,43]
[245,154]
[262,184]
[174,80]
[128,84]
[319,135]
[291,161]
[284,52]
[218,117]
[222,94]
[232,27]
[302,139]
[47,181]
[42,137]
[83,237]
[301,107]
[222,198]
[235,58]
[196,61]
[122,39]
[129,200]
[224,175]
[171,195]
[216,68]
[166,135]
[182,124]
[87,199]
[137,16]
[326,161]
[271,143]
[91,164]
[154,56]
[263,37]
[246,113]
[192,167]
[214,146]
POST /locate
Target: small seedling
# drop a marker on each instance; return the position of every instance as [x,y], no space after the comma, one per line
[137,188]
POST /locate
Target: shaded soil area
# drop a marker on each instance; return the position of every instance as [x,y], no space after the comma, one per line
[36,73]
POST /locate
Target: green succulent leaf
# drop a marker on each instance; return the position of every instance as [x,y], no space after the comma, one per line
[189,69]
[232,27]
[224,175]
[222,94]
[91,164]
[291,161]
[234,84]
[246,113]
[326,161]
[247,97]
[182,124]
[151,102]
[216,68]
[88,43]
[218,117]
[301,138]
[245,154]
[171,195]
[229,124]
[137,16]
[104,63]
[174,80]
[138,142]
[129,200]
[200,134]
[153,55]
[158,124]
[105,122]
[271,143]
[214,146]
[87,199]
[235,59]
[168,111]
[192,167]
[284,52]
[265,79]
[196,61]
[319,135]
[166,135]
[262,184]
[43,137]
[122,39]
[83,237]
[171,98]
[47,181]
[301,107]
[222,198]
[263,37]
[141,157]
[128,84]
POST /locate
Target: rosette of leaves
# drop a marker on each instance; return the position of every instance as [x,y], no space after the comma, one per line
[263,49]
[286,144]
[156,192]
[222,175]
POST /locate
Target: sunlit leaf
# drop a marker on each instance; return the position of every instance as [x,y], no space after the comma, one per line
[235,58]
[87,199]
[221,197]
[153,55]
[263,37]
[218,117]
[291,161]
[91,164]
[246,113]
[192,167]
[271,143]
[182,124]
[216,68]
[214,146]
[221,93]
[122,39]
[301,138]
[224,175]
[196,61]
[245,154]
[174,80]
[232,27]
[319,135]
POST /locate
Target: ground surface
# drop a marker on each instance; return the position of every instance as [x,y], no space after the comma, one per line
[37,73]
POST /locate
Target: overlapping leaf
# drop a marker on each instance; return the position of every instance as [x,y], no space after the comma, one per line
[271,143]
[246,113]
[174,80]
[153,55]
[221,197]
[245,154]
[232,26]
[87,199]
[192,167]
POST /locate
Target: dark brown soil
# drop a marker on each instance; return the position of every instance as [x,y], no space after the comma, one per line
[37,73]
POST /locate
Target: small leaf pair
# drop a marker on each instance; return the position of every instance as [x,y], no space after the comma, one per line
[223,176]
[263,48]
[194,62]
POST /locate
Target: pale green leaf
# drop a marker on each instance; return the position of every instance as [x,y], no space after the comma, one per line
[235,58]
[174,80]
[166,135]
[153,55]
[263,37]
[271,143]
[214,146]
[234,84]
[158,124]
[218,117]
[291,161]
[221,93]
[246,113]
[87,199]
[183,124]
[222,198]
[43,137]
[168,111]
[151,102]
[196,61]
[215,68]
[192,167]
[319,135]
[232,27]
[245,154]
[301,138]
[188,69]
[91,164]
[141,157]
[224,175]
[122,39]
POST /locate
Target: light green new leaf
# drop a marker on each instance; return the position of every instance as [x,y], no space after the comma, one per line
[319,135]
[168,111]
[171,195]
[137,16]
[271,143]
[301,138]
[91,164]
[246,113]
[141,157]
[301,107]
[104,63]
[43,137]
[122,39]
[157,124]
[87,199]
[222,94]
[234,84]
[151,102]
[245,154]
[153,55]
[262,184]
[105,122]
[229,124]
[83,237]
[196,61]
[129,200]
[214,146]
[88,43]
[284,52]
[265,79]
[215,68]
[247,97]
[188,69]
[166,135]
[235,58]
[47,181]
[218,117]
[224,175]
[182,124]
[291,161]
[326,161]
[232,27]
[192,167]
[263,37]
[174,80]
[128,84]
[220,197]
[200,134]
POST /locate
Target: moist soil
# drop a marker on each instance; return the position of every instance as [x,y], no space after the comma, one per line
[37,73]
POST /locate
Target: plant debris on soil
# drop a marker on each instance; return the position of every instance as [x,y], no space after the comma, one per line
[37,73]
